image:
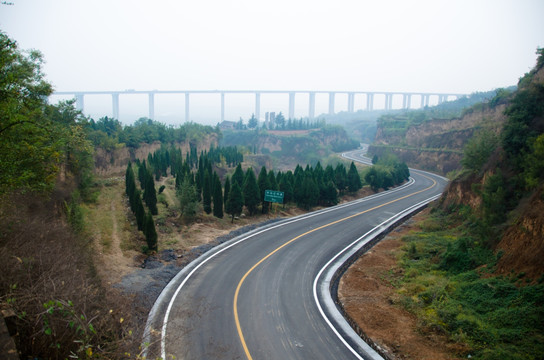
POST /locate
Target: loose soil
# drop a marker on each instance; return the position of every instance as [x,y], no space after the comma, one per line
[370,300]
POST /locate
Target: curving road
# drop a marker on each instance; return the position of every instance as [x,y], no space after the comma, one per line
[266,295]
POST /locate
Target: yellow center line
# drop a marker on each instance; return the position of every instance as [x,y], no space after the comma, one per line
[236,318]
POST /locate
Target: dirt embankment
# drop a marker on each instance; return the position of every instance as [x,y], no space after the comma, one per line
[522,244]
[369,299]
[437,145]
[114,162]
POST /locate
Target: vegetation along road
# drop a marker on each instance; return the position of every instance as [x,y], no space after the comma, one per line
[266,295]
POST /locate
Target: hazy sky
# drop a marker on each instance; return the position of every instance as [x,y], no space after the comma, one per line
[452,46]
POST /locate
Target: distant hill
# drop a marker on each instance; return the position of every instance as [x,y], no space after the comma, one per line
[286,149]
[433,138]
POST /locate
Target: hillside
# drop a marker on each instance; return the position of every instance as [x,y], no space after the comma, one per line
[434,138]
[286,149]
[466,278]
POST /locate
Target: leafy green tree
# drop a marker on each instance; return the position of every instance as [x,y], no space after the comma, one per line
[494,202]
[354,180]
[150,233]
[373,179]
[35,138]
[252,122]
[252,196]
[520,128]
[264,184]
[478,150]
[534,164]
[217,197]
[235,202]
[280,121]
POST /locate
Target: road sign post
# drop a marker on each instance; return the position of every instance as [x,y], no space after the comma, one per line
[273,196]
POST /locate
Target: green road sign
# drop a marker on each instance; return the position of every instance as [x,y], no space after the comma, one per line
[273,196]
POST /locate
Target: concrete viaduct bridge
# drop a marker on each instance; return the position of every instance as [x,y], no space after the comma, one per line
[370,99]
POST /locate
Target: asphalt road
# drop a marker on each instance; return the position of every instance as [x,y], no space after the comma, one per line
[265,295]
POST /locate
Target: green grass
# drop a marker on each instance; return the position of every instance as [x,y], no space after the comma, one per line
[447,284]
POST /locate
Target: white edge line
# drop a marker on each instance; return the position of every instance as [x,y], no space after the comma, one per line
[204,258]
[228,245]
[324,289]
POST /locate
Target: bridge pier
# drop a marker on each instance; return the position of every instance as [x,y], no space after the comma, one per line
[351,102]
[80,102]
[222,106]
[370,96]
[291,105]
[311,106]
[187,107]
[115,105]
[406,101]
[369,101]
[258,105]
[151,106]
[424,100]
[388,101]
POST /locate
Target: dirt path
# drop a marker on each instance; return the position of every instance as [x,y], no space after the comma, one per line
[372,302]
[107,223]
[168,192]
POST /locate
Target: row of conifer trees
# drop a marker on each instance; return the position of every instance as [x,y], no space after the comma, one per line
[199,187]
[144,219]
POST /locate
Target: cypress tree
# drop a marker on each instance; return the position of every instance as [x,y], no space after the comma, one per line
[263,185]
[272,181]
[227,190]
[287,187]
[340,177]
[217,197]
[235,202]
[330,194]
[139,211]
[207,193]
[150,233]
[150,194]
[198,183]
[297,187]
[329,174]
[130,184]
[310,192]
[238,176]
[187,199]
[354,180]
[252,196]
[142,172]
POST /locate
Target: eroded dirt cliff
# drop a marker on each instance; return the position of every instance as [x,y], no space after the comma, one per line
[437,144]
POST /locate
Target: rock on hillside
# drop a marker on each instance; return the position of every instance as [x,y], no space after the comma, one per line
[437,144]
[289,148]
[115,162]
[523,242]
